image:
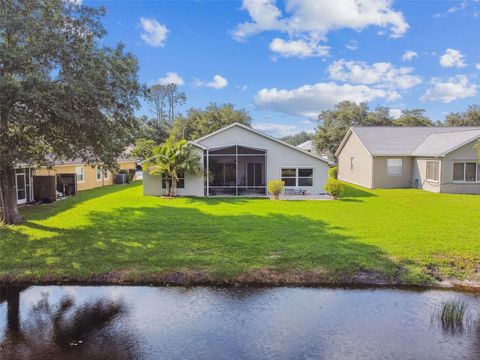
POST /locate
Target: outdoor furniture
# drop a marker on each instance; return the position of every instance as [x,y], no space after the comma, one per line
[295,192]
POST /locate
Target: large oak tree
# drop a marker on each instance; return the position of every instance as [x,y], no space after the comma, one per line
[62,93]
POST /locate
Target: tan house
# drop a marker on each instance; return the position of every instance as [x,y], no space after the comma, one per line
[88,176]
[437,159]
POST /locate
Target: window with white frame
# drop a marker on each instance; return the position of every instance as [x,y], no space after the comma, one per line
[394,167]
[99,173]
[465,172]
[79,170]
[297,176]
[433,170]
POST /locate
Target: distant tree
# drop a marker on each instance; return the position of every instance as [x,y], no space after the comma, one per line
[149,128]
[143,148]
[454,119]
[198,122]
[334,124]
[166,99]
[298,138]
[471,117]
[63,93]
[413,117]
[169,160]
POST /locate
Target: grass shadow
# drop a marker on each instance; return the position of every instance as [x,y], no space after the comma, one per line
[165,239]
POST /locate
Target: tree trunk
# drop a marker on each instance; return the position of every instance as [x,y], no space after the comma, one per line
[8,195]
[174,188]
[167,187]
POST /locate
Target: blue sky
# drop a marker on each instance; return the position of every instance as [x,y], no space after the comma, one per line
[286,61]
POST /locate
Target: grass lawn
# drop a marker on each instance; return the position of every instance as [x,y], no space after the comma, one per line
[406,235]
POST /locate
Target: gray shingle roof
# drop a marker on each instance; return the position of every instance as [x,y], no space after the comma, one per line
[414,141]
[307,145]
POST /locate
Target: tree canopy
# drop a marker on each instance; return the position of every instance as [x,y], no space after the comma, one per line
[297,138]
[198,122]
[62,93]
[470,117]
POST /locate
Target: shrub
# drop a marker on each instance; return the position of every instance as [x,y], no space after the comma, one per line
[333,172]
[275,187]
[334,187]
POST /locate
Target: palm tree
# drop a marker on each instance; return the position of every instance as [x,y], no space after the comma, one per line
[169,160]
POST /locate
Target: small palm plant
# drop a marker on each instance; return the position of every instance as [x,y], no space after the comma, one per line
[169,160]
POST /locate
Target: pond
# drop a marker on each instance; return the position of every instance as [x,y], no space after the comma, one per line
[122,322]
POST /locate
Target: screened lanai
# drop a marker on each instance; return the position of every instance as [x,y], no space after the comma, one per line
[235,170]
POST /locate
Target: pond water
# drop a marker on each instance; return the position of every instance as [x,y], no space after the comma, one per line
[115,322]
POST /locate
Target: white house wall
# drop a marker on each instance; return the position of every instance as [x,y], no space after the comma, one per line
[278,155]
[152,185]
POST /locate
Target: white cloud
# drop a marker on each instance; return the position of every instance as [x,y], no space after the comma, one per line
[477,65]
[154,33]
[380,74]
[218,82]
[409,55]
[452,10]
[311,21]
[171,78]
[298,48]
[309,100]
[454,88]
[452,58]
[395,113]
[352,45]
[277,130]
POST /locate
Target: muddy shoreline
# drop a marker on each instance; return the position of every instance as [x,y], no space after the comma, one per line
[262,278]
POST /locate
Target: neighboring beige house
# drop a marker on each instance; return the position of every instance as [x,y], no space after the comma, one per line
[238,160]
[437,159]
[88,176]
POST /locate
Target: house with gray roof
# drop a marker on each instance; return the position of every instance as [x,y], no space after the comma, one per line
[437,159]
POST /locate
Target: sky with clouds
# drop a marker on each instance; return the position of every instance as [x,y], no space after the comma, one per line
[285,61]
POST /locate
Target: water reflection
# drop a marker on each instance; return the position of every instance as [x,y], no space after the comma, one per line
[64,329]
[213,323]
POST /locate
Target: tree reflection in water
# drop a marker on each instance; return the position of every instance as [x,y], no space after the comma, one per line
[65,330]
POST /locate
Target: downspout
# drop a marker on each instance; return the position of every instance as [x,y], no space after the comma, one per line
[373,172]
[207,175]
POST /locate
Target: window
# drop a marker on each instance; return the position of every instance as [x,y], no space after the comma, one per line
[80,174]
[394,167]
[470,172]
[98,173]
[305,177]
[289,177]
[432,170]
[459,172]
[180,183]
[351,163]
[106,174]
[465,172]
[297,176]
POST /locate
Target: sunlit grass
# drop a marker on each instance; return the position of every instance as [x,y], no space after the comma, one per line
[403,235]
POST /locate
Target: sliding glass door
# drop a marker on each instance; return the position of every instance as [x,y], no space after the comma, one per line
[235,170]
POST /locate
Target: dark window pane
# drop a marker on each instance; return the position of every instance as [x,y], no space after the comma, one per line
[289,181]
[305,172]
[288,172]
[228,150]
[305,181]
[458,172]
[246,150]
[470,172]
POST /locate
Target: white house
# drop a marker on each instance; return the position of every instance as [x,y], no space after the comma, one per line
[238,160]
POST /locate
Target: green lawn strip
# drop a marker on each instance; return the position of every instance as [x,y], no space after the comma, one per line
[399,235]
